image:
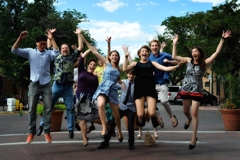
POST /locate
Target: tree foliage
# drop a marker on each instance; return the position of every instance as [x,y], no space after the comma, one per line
[36,17]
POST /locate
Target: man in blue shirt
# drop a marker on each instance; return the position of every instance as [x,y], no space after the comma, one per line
[39,60]
[162,78]
[127,108]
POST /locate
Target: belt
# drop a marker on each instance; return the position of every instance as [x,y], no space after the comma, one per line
[37,82]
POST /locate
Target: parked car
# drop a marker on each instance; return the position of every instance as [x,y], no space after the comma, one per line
[172,93]
[208,98]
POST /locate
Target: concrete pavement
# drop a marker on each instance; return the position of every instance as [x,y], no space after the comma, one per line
[213,141]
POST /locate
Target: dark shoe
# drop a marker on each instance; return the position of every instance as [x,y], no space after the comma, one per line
[39,131]
[176,122]
[187,126]
[103,136]
[120,139]
[85,144]
[90,129]
[103,145]
[191,147]
[77,127]
[71,134]
[114,134]
[131,147]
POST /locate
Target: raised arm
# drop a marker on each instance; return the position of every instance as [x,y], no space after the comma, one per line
[125,66]
[50,37]
[49,44]
[22,36]
[163,45]
[109,44]
[84,55]
[94,51]
[80,41]
[219,47]
[174,51]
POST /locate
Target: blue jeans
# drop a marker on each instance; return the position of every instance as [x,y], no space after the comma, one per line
[35,90]
[65,91]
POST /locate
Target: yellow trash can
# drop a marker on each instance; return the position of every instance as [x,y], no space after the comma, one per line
[17,104]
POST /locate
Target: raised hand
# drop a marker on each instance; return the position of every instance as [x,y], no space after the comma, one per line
[163,44]
[49,34]
[53,30]
[108,39]
[175,39]
[23,34]
[226,34]
[125,49]
[78,31]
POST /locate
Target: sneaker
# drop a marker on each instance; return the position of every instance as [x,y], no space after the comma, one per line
[48,138]
[29,138]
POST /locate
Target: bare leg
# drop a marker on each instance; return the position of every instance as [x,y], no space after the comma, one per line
[186,111]
[115,111]
[83,126]
[101,110]
[194,113]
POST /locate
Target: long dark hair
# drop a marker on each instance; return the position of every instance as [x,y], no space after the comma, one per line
[201,59]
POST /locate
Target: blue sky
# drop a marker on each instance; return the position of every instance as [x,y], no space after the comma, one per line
[130,22]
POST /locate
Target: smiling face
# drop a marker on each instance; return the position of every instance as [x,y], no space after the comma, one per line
[114,57]
[154,45]
[91,66]
[144,52]
[64,50]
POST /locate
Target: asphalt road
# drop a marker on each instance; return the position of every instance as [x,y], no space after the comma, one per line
[213,141]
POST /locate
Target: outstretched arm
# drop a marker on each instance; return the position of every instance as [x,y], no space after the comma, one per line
[22,36]
[174,51]
[94,51]
[169,68]
[84,55]
[219,47]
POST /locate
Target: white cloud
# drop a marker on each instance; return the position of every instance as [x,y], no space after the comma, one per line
[120,31]
[111,5]
[129,33]
[214,2]
[153,3]
[172,0]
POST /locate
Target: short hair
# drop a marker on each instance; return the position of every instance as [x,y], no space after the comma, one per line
[91,60]
[131,71]
[40,38]
[146,47]
[154,40]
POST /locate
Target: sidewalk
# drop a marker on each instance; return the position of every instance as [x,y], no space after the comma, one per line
[213,141]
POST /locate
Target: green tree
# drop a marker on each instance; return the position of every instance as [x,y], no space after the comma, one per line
[36,17]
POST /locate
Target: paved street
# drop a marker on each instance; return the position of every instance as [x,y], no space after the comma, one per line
[213,141]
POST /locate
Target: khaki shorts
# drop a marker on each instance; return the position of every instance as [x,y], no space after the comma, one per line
[162,91]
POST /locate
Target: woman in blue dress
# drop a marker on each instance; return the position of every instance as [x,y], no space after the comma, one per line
[107,90]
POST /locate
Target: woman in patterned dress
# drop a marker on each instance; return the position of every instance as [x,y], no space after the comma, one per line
[191,91]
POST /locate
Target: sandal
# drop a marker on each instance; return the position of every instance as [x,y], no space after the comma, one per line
[139,135]
[175,124]
[155,135]
[160,121]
